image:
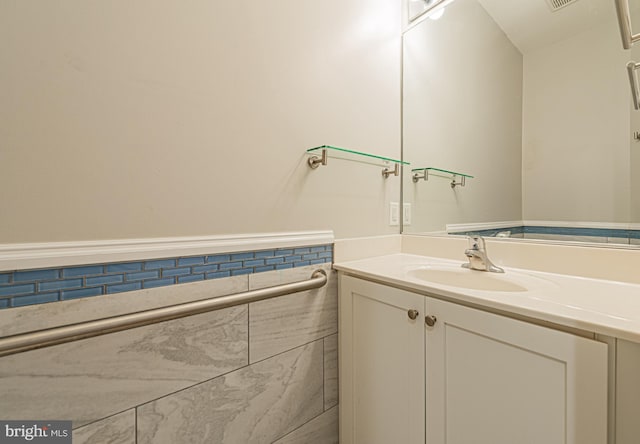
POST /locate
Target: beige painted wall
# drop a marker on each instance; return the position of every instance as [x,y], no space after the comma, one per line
[153,118]
[462,112]
[576,132]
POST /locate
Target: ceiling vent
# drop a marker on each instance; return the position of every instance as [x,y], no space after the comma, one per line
[559,4]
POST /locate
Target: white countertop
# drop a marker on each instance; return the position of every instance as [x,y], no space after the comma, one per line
[604,307]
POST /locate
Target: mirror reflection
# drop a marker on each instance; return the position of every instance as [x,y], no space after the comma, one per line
[532,99]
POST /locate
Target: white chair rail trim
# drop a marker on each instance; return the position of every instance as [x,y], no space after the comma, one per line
[62,254]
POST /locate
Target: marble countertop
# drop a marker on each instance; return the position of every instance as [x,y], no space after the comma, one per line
[600,306]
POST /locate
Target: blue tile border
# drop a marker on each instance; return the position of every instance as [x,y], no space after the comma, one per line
[28,287]
[191,278]
[16,290]
[35,275]
[158,264]
[65,284]
[33,299]
[83,271]
[196,260]
[557,231]
[153,283]
[171,272]
[124,266]
[81,293]
[102,280]
[119,288]
[218,275]
[143,275]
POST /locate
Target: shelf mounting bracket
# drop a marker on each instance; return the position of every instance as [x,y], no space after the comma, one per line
[315,161]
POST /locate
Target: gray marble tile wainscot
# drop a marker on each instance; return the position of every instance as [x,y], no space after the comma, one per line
[94,378]
[256,404]
[180,379]
[321,430]
[330,371]
[117,429]
[280,324]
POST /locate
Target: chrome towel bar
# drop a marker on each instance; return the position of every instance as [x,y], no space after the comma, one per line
[624,20]
[59,335]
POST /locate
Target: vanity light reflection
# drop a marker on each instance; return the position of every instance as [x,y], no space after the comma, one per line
[434,9]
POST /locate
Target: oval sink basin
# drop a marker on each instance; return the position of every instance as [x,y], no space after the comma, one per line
[465,278]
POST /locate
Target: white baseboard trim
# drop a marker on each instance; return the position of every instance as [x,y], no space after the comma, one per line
[61,254]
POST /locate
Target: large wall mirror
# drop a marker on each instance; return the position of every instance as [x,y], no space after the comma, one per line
[518,121]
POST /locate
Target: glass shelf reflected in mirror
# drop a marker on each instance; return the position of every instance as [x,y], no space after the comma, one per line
[424,173]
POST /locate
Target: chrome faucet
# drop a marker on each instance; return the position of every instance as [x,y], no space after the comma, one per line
[477,254]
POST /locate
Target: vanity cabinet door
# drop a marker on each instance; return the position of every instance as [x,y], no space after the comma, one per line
[496,380]
[381,364]
[627,392]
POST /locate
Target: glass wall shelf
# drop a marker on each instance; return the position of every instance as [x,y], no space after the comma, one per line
[325,151]
[423,173]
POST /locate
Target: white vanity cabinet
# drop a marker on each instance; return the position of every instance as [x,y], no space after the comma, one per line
[496,380]
[472,377]
[382,392]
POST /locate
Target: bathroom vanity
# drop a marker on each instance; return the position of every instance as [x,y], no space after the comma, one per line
[434,353]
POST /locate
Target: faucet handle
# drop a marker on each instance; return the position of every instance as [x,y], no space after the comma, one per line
[476,243]
[477,254]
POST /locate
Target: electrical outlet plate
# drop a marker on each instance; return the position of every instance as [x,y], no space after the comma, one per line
[394,214]
[406,214]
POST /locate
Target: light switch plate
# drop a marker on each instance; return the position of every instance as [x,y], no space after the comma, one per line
[406,213]
[394,214]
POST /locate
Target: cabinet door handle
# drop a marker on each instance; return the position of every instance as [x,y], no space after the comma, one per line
[430,320]
[413,314]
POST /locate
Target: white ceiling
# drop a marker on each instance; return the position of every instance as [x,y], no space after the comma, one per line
[530,24]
